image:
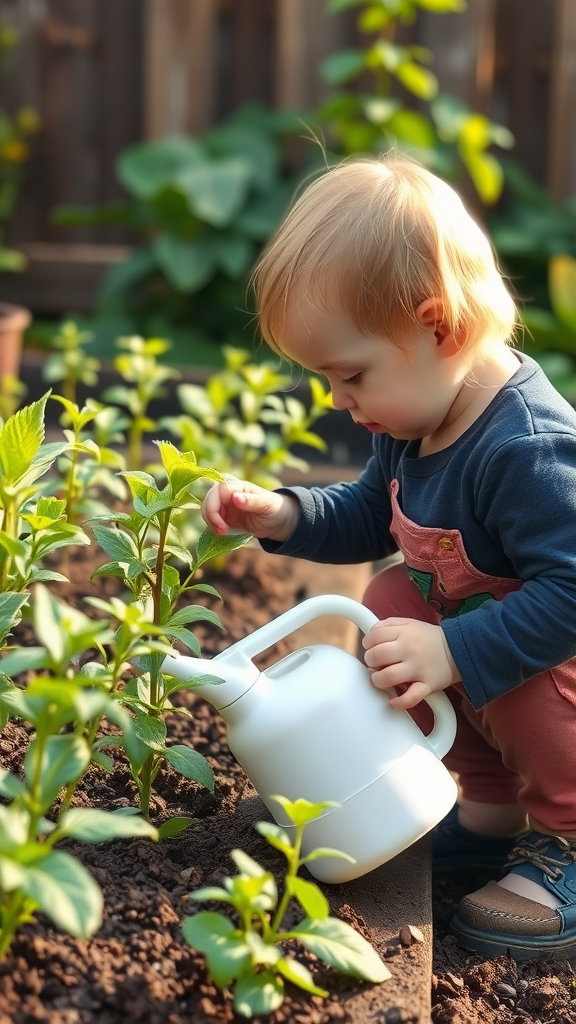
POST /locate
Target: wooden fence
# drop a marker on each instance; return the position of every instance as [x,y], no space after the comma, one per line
[106,73]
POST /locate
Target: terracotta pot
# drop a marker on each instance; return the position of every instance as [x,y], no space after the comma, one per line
[13,322]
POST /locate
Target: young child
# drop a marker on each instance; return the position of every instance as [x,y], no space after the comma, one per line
[381,281]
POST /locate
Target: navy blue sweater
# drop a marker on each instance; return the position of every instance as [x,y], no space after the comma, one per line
[508,484]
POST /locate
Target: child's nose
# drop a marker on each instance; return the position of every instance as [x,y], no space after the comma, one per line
[342,399]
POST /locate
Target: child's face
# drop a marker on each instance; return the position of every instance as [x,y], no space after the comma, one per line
[406,393]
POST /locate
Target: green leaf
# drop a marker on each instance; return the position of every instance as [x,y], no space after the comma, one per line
[562,287]
[258,993]
[182,468]
[418,80]
[12,546]
[413,127]
[21,437]
[23,658]
[226,951]
[115,543]
[63,759]
[146,169]
[95,826]
[486,174]
[192,613]
[299,975]
[66,892]
[10,606]
[189,264]
[10,786]
[338,945]
[309,896]
[276,836]
[191,764]
[151,732]
[302,811]
[326,851]
[210,546]
[174,826]
[216,191]
[343,66]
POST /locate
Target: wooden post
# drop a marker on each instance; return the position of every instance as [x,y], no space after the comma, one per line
[463,45]
[305,34]
[561,176]
[179,66]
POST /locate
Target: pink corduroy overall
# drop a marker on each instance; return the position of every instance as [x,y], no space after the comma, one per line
[518,747]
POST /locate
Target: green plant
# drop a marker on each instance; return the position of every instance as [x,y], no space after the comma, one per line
[373,122]
[204,207]
[70,363]
[14,152]
[33,525]
[249,955]
[140,548]
[83,478]
[61,708]
[238,423]
[138,365]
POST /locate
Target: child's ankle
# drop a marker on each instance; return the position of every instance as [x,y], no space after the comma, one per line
[491,819]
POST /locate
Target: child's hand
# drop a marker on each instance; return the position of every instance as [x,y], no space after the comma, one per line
[250,508]
[409,651]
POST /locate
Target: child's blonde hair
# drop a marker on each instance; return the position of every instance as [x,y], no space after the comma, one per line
[373,239]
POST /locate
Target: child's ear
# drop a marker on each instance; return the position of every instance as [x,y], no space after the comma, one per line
[430,314]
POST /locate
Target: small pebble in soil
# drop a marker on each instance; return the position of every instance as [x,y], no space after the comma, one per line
[506,990]
[396,1015]
[409,933]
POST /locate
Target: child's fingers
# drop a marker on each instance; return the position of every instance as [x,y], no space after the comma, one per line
[214,508]
[415,693]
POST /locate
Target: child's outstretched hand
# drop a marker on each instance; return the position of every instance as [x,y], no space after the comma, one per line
[407,651]
[245,506]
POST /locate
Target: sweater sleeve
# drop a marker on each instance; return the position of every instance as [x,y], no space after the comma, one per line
[344,523]
[526,498]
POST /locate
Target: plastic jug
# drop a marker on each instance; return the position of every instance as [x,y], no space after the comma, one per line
[313,725]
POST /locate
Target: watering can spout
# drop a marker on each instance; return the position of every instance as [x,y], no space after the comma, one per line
[220,681]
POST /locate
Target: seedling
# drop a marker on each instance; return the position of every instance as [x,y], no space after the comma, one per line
[33,874]
[238,423]
[32,525]
[140,547]
[249,956]
[70,364]
[139,365]
[89,464]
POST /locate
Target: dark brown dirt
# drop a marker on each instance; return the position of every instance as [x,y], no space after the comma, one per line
[138,968]
[466,989]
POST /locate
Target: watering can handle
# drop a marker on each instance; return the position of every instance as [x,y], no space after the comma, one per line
[442,736]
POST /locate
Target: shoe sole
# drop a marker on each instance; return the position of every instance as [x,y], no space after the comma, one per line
[519,947]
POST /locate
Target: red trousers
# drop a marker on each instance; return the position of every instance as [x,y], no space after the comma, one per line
[519,747]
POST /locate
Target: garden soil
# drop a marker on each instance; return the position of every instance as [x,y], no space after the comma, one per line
[138,968]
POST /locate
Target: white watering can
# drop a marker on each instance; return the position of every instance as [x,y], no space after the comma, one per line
[314,726]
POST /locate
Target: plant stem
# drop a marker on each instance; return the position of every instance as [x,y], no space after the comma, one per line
[9,920]
[291,873]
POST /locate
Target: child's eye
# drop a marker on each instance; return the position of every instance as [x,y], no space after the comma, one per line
[356,379]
